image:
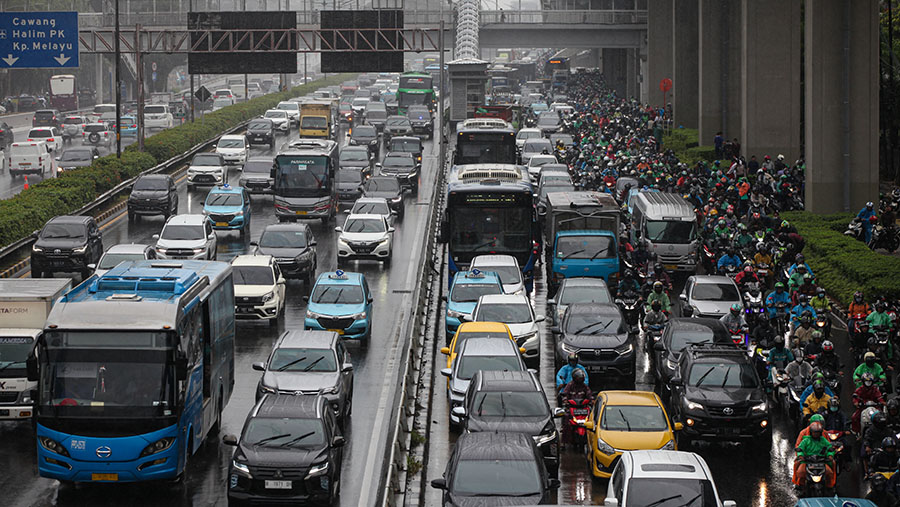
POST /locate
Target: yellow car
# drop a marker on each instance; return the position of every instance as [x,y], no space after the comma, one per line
[473,330]
[626,421]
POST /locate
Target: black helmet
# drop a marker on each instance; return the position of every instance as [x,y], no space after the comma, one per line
[658,267]
[572,359]
[779,341]
[888,442]
[656,305]
[879,420]
[628,274]
[578,376]
[799,258]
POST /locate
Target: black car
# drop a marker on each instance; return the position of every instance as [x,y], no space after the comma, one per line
[46,118]
[290,450]
[500,401]
[76,157]
[397,126]
[66,244]
[576,290]
[402,166]
[597,334]
[376,115]
[718,395]
[349,181]
[420,118]
[256,176]
[365,135]
[6,135]
[261,131]
[479,459]
[153,194]
[678,334]
[294,248]
[387,187]
[357,157]
[407,144]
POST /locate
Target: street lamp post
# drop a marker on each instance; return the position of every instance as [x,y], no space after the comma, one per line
[118,90]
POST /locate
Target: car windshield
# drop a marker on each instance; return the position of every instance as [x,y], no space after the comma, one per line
[313,122]
[302,359]
[154,109]
[276,114]
[542,160]
[364,225]
[259,167]
[283,432]
[182,232]
[470,292]
[496,477]
[510,404]
[60,231]
[231,143]
[509,275]
[590,324]
[223,199]
[253,275]
[722,375]
[351,175]
[283,239]
[259,125]
[337,294]
[715,292]
[370,208]
[88,128]
[633,418]
[363,131]
[73,120]
[470,364]
[398,162]
[383,185]
[111,260]
[206,160]
[151,184]
[76,155]
[583,294]
[397,122]
[669,492]
[585,247]
[676,232]
[288,106]
[528,134]
[547,121]
[508,313]
[354,156]
[404,145]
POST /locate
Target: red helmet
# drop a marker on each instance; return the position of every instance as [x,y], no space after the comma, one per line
[873,219]
[748,269]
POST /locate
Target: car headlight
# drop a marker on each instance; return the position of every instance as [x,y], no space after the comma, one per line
[625,348]
[329,390]
[382,240]
[373,141]
[268,297]
[35,248]
[762,407]
[198,250]
[317,470]
[525,337]
[604,447]
[239,213]
[456,315]
[266,389]
[690,405]
[80,249]
[544,438]
[358,316]
[671,364]
[205,212]
[312,315]
[670,446]
[159,446]
[240,467]
[396,199]
[569,349]
[53,446]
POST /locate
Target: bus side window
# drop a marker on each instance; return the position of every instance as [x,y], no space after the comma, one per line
[206,346]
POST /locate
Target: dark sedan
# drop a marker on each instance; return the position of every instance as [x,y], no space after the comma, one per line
[261,131]
[357,157]
[387,187]
[402,166]
[397,126]
[74,158]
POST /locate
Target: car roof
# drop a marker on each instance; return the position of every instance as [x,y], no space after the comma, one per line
[404,154]
[365,216]
[354,148]
[365,200]
[489,277]
[495,260]
[490,445]
[583,281]
[275,406]
[126,248]
[495,380]
[658,464]
[488,347]
[502,299]
[287,226]
[232,137]
[186,219]
[346,278]
[69,219]
[638,398]
[716,279]
[308,338]
[405,138]
[483,327]
[253,260]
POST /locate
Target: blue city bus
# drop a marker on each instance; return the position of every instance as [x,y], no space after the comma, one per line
[490,210]
[134,369]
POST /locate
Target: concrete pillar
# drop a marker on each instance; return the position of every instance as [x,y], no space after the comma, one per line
[770,72]
[99,77]
[685,70]
[614,70]
[632,71]
[720,69]
[660,54]
[841,144]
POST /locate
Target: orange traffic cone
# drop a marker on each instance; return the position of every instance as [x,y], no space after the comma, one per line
[26,182]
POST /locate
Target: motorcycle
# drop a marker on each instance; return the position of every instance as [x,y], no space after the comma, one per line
[753,302]
[764,271]
[780,382]
[855,230]
[632,308]
[815,487]
[578,410]
[823,324]
[652,335]
[739,336]
[729,270]
[886,238]
[842,452]
[780,321]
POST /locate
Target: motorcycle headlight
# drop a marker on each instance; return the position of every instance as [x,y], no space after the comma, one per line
[240,467]
[670,446]
[760,407]
[604,447]
[690,405]
[317,470]
[268,297]
[816,478]
[159,446]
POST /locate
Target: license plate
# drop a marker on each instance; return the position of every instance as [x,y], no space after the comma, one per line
[4,412]
[598,369]
[301,212]
[671,267]
[338,331]
[221,224]
[24,163]
[278,484]
[104,477]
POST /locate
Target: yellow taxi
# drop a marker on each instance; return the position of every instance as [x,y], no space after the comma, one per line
[626,421]
[475,330]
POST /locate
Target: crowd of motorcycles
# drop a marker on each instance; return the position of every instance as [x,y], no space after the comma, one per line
[617,147]
[885,234]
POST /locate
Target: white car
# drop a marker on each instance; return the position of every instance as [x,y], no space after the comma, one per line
[644,478]
[365,237]
[525,134]
[29,158]
[234,149]
[186,237]
[293,110]
[280,118]
[506,267]
[98,134]
[49,135]
[536,162]
[258,288]
[100,110]
[121,253]
[515,311]
[206,169]
[374,206]
[158,116]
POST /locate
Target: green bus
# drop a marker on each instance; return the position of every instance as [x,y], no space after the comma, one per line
[415,89]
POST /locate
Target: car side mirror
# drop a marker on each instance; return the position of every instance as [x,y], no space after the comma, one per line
[312,243]
[338,441]
[36,234]
[92,266]
[444,298]
[559,412]
[439,484]
[338,229]
[155,236]
[553,483]
[56,158]
[610,502]
[254,243]
[459,412]
[555,330]
[659,347]
[260,366]
[551,301]
[676,381]
[729,503]
[678,426]
[683,297]
[347,368]
[378,165]
[467,318]
[445,351]
[230,440]
[540,318]
[31,369]
[447,372]
[390,229]
[588,425]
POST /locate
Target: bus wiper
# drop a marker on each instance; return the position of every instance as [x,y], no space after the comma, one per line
[7,365]
[572,253]
[295,440]
[292,363]
[273,437]
[312,364]
[703,377]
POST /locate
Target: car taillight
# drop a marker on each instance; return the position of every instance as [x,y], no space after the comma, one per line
[134,126]
[50,139]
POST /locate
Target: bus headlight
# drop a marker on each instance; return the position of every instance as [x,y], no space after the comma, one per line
[159,446]
[53,446]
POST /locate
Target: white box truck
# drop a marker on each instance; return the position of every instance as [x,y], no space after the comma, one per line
[24,306]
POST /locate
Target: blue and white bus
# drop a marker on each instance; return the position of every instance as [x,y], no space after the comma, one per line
[490,210]
[134,369]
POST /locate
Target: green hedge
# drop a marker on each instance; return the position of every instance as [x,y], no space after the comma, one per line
[842,264]
[27,211]
[685,144]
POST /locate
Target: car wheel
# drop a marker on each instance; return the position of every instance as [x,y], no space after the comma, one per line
[387,260]
[132,217]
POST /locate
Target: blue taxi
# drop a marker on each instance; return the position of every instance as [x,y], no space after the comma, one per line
[340,301]
[465,289]
[228,208]
[129,126]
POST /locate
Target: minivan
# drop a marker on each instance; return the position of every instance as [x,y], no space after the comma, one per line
[30,157]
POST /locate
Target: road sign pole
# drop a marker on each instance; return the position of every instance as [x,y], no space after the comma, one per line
[442,151]
[191,9]
[118,89]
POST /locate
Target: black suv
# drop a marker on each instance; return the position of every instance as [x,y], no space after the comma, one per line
[289,450]
[66,244]
[402,166]
[261,131]
[153,194]
[420,117]
[717,395]
[397,126]
[679,334]
[46,118]
[365,135]
[597,334]
[294,248]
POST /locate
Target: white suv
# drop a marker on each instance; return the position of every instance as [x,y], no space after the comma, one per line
[49,135]
[280,119]
[206,169]
[365,237]
[293,110]
[186,237]
[258,288]
[158,116]
[234,149]
[647,477]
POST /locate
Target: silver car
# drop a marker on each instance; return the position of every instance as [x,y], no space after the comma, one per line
[121,253]
[710,295]
[309,363]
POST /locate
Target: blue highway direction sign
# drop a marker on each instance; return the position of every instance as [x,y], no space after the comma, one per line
[32,40]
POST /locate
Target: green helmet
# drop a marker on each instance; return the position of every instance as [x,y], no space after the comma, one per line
[816,418]
[779,285]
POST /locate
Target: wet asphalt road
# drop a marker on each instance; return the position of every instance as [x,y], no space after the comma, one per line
[747,475]
[205,482]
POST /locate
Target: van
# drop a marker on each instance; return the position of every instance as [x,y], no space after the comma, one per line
[158,116]
[667,224]
[30,157]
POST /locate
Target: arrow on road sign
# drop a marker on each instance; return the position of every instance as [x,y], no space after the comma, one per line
[61,59]
[10,60]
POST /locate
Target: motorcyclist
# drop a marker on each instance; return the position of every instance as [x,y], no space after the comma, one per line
[814,418]
[814,444]
[869,365]
[777,296]
[828,360]
[879,318]
[628,283]
[661,275]
[864,395]
[641,256]
[655,317]
[799,260]
[858,306]
[734,319]
[875,434]
[795,281]
[564,375]
[817,401]
[820,303]
[746,275]
[882,492]
[721,230]
[835,419]
[658,294]
[779,356]
[798,311]
[865,214]
[729,258]
[892,414]
[576,388]
[763,333]
[884,459]
[743,239]
[799,370]
[802,336]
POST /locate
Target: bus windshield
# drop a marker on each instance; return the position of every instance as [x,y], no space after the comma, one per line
[478,229]
[302,176]
[486,149]
[412,99]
